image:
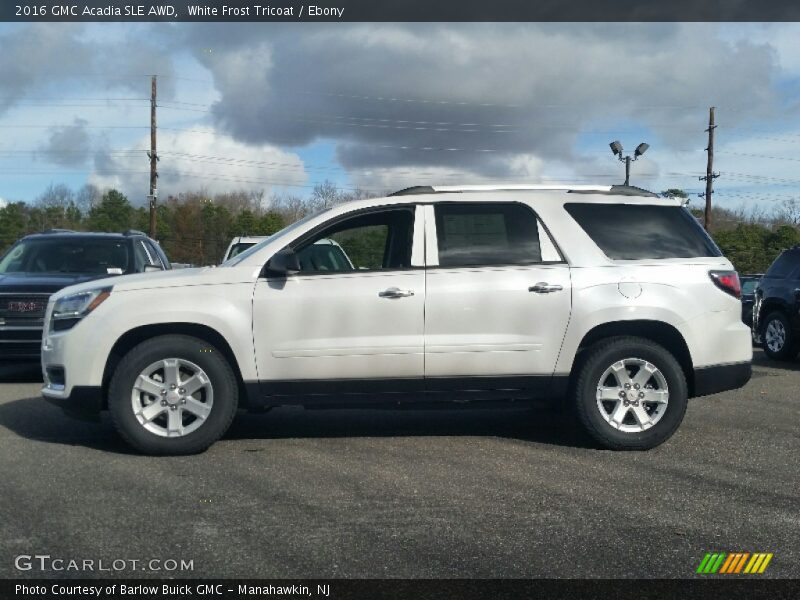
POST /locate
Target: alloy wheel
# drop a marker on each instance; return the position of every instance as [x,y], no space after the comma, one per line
[775,335]
[172,397]
[632,395]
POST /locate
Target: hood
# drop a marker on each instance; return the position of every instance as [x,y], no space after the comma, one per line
[171,279]
[41,283]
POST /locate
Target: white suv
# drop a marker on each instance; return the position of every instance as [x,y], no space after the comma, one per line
[611,298]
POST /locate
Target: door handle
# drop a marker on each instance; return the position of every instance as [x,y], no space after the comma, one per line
[545,288]
[394,292]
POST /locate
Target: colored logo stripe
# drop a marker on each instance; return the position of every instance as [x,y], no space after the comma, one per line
[733,563]
[758,563]
[711,562]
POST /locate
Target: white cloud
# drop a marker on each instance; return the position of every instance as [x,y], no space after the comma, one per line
[192,160]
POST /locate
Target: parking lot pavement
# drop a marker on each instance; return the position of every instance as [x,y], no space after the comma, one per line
[409,493]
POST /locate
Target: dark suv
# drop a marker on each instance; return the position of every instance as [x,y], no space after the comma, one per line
[42,263]
[776,322]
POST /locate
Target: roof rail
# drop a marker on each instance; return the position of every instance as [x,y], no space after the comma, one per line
[134,232]
[438,189]
[613,190]
[57,231]
[416,189]
[621,190]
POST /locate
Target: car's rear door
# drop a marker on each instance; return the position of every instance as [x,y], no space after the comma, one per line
[497,298]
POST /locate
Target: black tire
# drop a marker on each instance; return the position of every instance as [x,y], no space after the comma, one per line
[789,348]
[197,351]
[599,357]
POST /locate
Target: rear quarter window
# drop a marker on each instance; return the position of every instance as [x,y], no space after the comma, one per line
[636,232]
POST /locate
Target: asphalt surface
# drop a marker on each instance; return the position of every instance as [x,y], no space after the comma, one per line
[473,493]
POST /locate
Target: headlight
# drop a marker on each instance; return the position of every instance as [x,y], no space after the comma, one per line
[67,311]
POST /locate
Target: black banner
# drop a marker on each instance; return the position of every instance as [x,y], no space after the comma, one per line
[436,589]
[402,10]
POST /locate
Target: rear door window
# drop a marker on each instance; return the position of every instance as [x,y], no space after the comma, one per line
[636,232]
[473,234]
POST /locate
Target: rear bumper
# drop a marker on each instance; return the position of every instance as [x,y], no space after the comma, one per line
[720,378]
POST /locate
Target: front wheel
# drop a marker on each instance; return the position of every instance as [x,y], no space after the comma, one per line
[630,394]
[173,394]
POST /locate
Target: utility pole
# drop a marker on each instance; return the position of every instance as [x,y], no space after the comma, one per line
[710,175]
[153,159]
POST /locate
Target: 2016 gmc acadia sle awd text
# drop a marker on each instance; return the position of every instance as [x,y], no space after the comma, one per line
[609,299]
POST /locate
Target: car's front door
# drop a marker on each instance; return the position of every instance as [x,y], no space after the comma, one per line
[497,301]
[353,316]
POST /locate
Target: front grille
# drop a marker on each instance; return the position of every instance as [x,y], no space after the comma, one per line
[23,309]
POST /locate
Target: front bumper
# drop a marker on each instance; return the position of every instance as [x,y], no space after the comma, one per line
[720,378]
[80,401]
[20,343]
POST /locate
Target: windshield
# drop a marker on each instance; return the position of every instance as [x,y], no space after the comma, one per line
[235,260]
[237,249]
[67,255]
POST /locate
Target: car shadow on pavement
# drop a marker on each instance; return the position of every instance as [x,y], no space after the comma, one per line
[35,419]
[762,360]
[20,372]
[533,425]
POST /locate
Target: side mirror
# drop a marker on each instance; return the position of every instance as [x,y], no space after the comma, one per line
[149,268]
[282,263]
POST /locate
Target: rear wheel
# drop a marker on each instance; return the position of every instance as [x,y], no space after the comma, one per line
[777,337]
[630,394]
[173,395]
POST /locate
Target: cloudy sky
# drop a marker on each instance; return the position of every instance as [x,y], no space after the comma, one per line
[281,107]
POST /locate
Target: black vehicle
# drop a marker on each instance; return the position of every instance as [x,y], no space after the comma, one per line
[40,264]
[749,285]
[776,323]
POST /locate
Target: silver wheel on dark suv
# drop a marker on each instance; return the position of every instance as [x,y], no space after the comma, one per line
[777,337]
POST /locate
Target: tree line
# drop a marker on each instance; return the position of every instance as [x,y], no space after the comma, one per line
[196,227]
[192,227]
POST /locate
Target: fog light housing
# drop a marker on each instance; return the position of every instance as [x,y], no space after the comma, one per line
[56,376]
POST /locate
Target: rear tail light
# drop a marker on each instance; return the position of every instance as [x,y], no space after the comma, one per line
[727,281]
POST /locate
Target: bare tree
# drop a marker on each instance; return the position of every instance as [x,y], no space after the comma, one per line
[88,197]
[57,195]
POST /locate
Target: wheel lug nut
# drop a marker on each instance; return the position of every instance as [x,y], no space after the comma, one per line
[173,407]
[636,386]
[182,391]
[172,386]
[163,403]
[627,386]
[163,392]
[641,394]
[622,394]
[183,400]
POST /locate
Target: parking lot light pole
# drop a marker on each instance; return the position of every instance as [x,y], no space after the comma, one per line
[616,148]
